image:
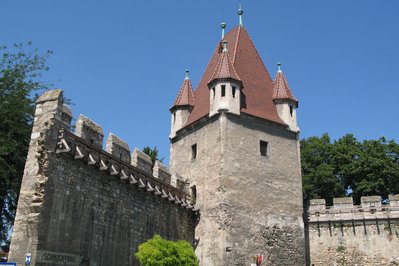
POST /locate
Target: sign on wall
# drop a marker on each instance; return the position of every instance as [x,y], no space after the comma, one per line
[57,258]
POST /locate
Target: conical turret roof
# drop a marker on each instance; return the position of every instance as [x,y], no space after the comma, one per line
[224,67]
[186,94]
[282,90]
[257,92]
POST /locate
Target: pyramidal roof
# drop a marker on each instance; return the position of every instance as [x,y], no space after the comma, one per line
[224,68]
[186,94]
[282,90]
[257,89]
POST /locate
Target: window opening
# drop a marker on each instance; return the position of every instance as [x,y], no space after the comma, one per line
[194,194]
[174,117]
[213,89]
[194,151]
[234,91]
[263,148]
[223,90]
[291,109]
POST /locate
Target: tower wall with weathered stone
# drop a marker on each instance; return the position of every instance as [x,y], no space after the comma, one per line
[264,212]
[250,204]
[203,172]
[346,234]
[81,205]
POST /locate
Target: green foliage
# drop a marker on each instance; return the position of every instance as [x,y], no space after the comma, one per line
[161,252]
[20,73]
[348,166]
[153,153]
[318,171]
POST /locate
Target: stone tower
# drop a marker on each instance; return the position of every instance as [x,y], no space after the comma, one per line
[238,144]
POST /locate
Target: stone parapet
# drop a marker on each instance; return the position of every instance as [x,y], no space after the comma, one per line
[118,147]
[161,172]
[80,149]
[343,210]
[142,161]
[89,130]
[394,200]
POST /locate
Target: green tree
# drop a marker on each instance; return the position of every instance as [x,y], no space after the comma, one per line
[349,167]
[318,172]
[153,153]
[20,74]
[161,252]
[373,168]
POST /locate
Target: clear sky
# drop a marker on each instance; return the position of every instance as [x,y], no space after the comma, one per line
[122,62]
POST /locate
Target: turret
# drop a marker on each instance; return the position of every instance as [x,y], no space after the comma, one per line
[285,102]
[225,86]
[182,106]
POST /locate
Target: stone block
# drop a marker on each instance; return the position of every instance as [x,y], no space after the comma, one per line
[51,95]
[394,200]
[118,148]
[343,203]
[66,116]
[90,131]
[317,205]
[370,201]
[161,172]
[142,161]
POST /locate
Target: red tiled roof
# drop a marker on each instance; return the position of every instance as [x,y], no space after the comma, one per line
[282,90]
[224,67]
[257,84]
[186,95]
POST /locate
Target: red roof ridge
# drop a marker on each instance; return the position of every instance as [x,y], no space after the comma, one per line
[236,44]
[282,89]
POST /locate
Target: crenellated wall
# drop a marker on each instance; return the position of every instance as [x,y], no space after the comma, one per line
[81,205]
[347,234]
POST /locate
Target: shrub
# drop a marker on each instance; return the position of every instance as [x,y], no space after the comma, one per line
[161,252]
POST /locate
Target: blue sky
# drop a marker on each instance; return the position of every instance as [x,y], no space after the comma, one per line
[122,62]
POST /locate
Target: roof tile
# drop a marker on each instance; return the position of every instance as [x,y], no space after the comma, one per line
[186,95]
[224,67]
[282,90]
[257,85]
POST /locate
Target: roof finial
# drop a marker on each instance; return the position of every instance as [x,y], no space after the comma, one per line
[279,67]
[224,46]
[223,26]
[187,72]
[240,12]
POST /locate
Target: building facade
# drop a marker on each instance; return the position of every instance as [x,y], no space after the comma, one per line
[236,140]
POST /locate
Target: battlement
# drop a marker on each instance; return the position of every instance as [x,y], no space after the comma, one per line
[343,209]
[136,171]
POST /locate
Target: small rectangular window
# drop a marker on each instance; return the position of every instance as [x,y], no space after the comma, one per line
[234,91]
[194,151]
[213,90]
[223,90]
[291,109]
[263,148]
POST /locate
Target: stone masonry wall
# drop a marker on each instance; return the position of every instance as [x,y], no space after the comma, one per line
[249,204]
[203,172]
[344,234]
[80,205]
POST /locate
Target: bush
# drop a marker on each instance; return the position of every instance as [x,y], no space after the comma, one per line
[161,252]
